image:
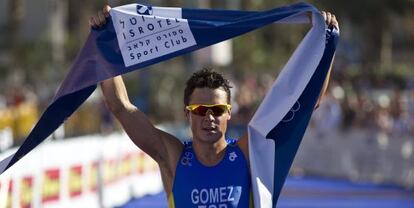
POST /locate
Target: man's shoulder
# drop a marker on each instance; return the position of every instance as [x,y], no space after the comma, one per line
[243,144]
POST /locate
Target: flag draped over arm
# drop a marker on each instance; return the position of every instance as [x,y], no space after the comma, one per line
[137,36]
[277,128]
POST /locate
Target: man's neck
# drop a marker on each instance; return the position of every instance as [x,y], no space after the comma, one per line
[210,154]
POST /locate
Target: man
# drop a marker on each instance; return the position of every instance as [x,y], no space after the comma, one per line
[208,172]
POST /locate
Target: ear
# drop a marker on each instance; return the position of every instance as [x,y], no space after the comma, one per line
[187,114]
[229,117]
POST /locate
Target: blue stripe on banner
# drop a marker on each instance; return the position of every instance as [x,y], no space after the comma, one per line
[289,132]
[234,26]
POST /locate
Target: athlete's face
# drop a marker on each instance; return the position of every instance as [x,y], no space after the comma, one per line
[208,128]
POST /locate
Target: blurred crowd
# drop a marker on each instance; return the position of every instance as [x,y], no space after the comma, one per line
[20,109]
[388,111]
[349,103]
[18,113]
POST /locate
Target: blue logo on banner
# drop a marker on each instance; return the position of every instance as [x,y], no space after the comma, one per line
[144,10]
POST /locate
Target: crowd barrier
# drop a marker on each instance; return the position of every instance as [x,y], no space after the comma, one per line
[360,155]
[89,171]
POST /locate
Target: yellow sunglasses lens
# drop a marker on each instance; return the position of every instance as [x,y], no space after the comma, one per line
[201,110]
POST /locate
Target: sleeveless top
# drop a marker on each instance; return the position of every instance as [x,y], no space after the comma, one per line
[225,185]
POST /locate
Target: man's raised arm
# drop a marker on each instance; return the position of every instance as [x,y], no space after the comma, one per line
[331,21]
[156,143]
[160,145]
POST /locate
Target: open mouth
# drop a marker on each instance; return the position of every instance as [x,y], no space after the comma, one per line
[209,128]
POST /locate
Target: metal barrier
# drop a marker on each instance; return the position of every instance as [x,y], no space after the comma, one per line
[359,155]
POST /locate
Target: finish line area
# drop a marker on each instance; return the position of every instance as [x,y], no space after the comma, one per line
[114,165]
[318,193]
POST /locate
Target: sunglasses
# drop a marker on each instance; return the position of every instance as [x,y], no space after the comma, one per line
[215,109]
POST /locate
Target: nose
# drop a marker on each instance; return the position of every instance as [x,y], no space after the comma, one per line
[209,115]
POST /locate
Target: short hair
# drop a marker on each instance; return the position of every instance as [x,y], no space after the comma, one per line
[206,78]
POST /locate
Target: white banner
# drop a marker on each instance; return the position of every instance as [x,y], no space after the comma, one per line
[144,37]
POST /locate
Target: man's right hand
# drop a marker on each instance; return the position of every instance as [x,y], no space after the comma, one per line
[100,19]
